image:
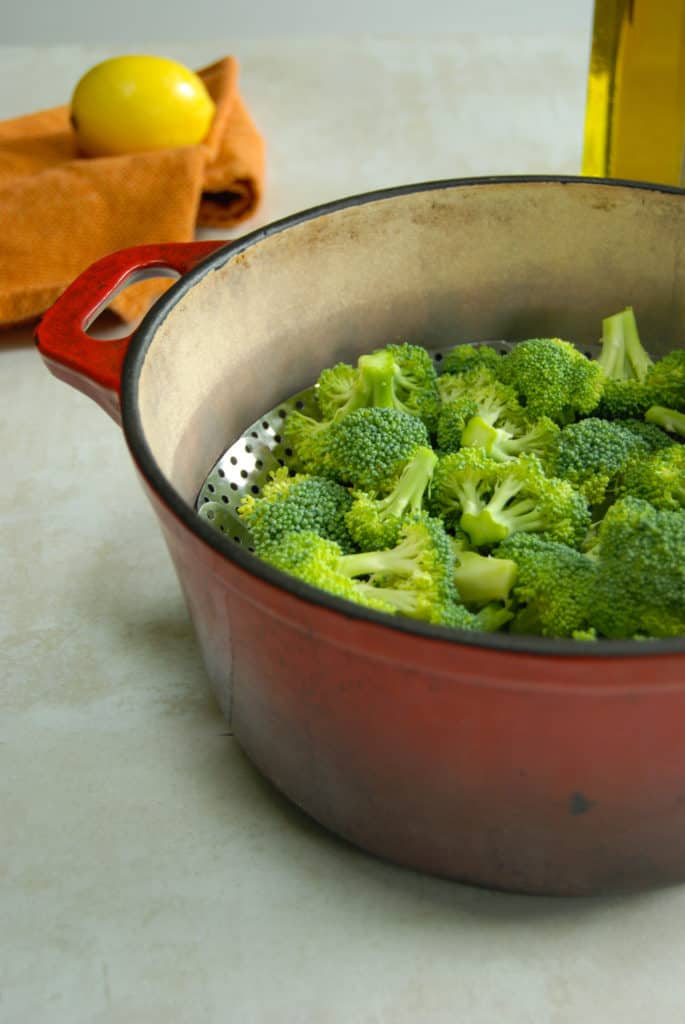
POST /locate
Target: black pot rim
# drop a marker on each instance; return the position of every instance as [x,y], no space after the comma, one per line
[136,440]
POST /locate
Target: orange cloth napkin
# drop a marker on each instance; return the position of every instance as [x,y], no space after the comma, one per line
[59,211]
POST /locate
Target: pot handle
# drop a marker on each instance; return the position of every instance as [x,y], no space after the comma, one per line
[90,364]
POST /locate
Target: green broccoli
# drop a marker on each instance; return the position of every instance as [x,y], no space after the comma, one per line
[667,378]
[553,588]
[291,503]
[304,442]
[316,560]
[511,438]
[668,419]
[658,478]
[414,578]
[653,436]
[623,356]
[374,522]
[639,590]
[369,448]
[592,453]
[454,416]
[552,378]
[626,364]
[480,384]
[480,412]
[489,500]
[481,579]
[466,357]
[395,377]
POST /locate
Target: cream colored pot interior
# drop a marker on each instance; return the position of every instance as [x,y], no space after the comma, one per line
[475,262]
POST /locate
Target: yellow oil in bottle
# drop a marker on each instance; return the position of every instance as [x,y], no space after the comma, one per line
[635,116]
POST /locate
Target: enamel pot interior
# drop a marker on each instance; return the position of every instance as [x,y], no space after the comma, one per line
[512,762]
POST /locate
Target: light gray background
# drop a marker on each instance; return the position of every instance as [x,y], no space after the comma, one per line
[132,23]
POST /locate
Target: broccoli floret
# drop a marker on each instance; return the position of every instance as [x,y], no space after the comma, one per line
[658,478]
[622,399]
[395,377]
[416,575]
[667,378]
[291,503]
[316,561]
[481,579]
[654,437]
[304,443]
[640,586]
[511,437]
[374,522]
[668,419]
[553,588]
[552,378]
[453,418]
[368,448]
[466,357]
[626,364]
[415,383]
[414,578]
[482,386]
[592,453]
[480,412]
[623,356]
[489,500]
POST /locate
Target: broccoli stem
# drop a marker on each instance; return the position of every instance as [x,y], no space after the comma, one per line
[478,433]
[668,419]
[401,560]
[404,601]
[623,355]
[612,356]
[481,579]
[409,491]
[639,361]
[377,372]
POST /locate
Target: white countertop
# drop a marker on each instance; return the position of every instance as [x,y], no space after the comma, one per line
[147,873]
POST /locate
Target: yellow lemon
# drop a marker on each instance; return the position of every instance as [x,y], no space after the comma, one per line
[135,103]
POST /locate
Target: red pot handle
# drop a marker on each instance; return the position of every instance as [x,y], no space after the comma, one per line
[91,364]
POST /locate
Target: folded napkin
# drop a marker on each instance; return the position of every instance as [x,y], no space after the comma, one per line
[60,211]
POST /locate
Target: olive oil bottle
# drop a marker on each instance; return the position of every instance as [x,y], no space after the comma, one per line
[635,116]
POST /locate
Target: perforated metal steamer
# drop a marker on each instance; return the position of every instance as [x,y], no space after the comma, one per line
[523,763]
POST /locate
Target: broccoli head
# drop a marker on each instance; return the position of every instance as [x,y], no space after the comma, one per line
[640,586]
[479,411]
[368,448]
[552,378]
[552,592]
[658,478]
[316,560]
[289,504]
[414,578]
[468,357]
[395,377]
[653,436]
[454,416]
[489,500]
[592,453]
[373,521]
[667,378]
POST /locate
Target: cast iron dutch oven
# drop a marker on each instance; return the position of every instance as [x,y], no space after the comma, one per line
[520,763]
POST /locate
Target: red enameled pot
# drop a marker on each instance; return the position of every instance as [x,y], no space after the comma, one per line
[514,762]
